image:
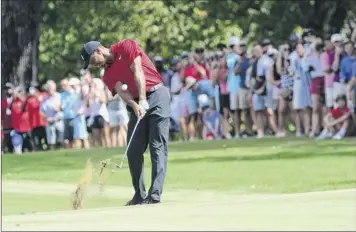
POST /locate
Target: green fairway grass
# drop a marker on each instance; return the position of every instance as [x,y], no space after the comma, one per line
[269,165]
[21,203]
[245,166]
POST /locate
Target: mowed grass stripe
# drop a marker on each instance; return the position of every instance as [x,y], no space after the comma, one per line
[257,166]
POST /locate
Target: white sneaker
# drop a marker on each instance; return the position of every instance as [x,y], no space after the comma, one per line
[280,135]
[228,136]
[298,134]
[237,136]
[323,135]
[311,135]
[337,136]
[260,136]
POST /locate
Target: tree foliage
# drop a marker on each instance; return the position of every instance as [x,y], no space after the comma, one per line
[168,27]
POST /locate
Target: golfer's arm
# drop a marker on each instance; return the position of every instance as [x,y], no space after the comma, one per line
[136,68]
[124,94]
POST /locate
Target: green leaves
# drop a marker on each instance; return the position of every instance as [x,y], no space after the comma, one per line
[171,26]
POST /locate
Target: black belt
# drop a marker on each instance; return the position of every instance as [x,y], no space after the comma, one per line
[151,90]
[154,88]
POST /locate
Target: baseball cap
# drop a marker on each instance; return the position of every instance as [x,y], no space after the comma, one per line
[184,54]
[175,61]
[336,38]
[266,42]
[73,81]
[87,50]
[234,41]
[199,50]
[158,59]
[242,43]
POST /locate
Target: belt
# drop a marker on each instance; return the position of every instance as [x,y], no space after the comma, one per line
[151,90]
[154,88]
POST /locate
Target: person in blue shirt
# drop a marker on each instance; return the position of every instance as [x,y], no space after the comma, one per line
[212,121]
[347,64]
[68,98]
[233,81]
[242,97]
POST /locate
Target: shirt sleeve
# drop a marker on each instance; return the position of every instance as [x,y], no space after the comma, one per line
[342,73]
[324,61]
[354,69]
[335,112]
[130,49]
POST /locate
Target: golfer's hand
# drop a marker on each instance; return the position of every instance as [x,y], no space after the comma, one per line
[143,105]
[137,109]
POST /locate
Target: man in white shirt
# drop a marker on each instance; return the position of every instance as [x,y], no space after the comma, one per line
[50,107]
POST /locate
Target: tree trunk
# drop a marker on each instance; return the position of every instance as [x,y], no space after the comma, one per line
[19,41]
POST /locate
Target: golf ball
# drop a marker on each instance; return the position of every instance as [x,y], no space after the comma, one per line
[124,87]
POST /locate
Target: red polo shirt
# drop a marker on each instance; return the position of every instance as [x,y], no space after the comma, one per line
[338,112]
[20,120]
[5,118]
[36,118]
[125,52]
[192,71]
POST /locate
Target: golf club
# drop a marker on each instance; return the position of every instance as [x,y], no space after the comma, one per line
[128,145]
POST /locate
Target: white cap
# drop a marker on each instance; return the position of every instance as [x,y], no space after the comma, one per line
[234,41]
[203,100]
[336,38]
[74,81]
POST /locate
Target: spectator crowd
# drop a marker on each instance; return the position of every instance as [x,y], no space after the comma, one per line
[306,86]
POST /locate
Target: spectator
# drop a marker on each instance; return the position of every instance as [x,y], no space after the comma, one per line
[316,66]
[37,119]
[283,68]
[198,71]
[6,122]
[99,115]
[165,73]
[224,97]
[268,58]
[211,120]
[20,118]
[51,108]
[336,120]
[242,95]
[233,82]
[338,89]
[80,133]
[328,58]
[68,97]
[346,66]
[179,108]
[118,121]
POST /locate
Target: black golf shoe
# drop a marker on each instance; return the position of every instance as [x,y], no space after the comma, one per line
[149,201]
[134,201]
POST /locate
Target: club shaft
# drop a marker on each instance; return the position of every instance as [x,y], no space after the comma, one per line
[128,144]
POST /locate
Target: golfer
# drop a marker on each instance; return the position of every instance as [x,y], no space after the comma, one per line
[146,96]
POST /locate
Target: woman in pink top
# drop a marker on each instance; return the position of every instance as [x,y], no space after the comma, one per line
[327,61]
[224,97]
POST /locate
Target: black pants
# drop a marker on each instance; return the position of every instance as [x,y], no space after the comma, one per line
[152,130]
[39,138]
[27,141]
[7,143]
